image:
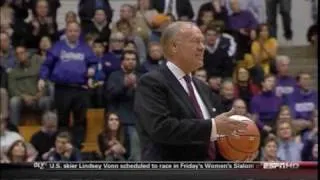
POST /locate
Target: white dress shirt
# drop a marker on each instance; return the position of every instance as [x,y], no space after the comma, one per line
[174,8]
[179,74]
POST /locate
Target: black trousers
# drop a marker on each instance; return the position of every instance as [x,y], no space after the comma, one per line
[73,100]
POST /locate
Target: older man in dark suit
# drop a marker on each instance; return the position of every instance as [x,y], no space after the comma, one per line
[177,115]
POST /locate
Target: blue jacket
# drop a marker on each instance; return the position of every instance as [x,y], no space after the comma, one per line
[66,65]
[111,62]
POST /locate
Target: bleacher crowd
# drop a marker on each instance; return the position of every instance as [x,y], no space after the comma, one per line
[94,63]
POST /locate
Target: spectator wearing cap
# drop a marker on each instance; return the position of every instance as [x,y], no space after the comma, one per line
[87,8]
[43,140]
[159,23]
[265,106]
[264,49]
[285,84]
[97,81]
[182,10]
[217,8]
[41,25]
[288,148]
[155,58]
[8,60]
[4,102]
[53,6]
[67,65]
[285,11]
[126,28]
[218,54]
[99,25]
[121,89]
[243,86]
[22,81]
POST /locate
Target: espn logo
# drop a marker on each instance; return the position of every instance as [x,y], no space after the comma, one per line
[280,165]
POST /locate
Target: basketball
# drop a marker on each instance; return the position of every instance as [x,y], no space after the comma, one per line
[240,147]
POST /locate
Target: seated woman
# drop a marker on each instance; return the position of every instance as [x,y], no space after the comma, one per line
[269,150]
[17,153]
[111,140]
[264,49]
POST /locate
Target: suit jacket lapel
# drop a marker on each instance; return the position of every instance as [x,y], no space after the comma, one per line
[177,87]
[205,98]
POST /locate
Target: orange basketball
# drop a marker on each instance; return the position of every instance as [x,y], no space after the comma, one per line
[240,147]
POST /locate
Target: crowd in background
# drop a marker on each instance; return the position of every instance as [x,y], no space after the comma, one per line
[95,63]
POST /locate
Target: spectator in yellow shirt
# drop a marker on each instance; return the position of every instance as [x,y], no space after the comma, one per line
[264,48]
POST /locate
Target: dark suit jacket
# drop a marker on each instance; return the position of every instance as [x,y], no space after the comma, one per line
[166,120]
[184,8]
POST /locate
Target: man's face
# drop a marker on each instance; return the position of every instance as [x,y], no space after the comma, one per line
[211,37]
[22,54]
[61,144]
[99,16]
[4,42]
[98,49]
[283,67]
[126,12]
[227,90]
[117,43]
[215,83]
[42,8]
[129,62]
[240,107]
[285,131]
[189,47]
[269,83]
[50,126]
[235,7]
[155,52]
[73,32]
[305,81]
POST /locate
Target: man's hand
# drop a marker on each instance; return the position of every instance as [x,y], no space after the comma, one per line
[68,150]
[41,84]
[226,126]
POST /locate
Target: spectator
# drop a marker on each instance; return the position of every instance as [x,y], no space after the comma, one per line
[6,52]
[269,151]
[43,140]
[130,46]
[67,66]
[182,10]
[41,25]
[285,84]
[63,149]
[4,104]
[240,108]
[214,83]
[44,45]
[154,59]
[310,150]
[112,139]
[99,25]
[255,7]
[121,87]
[89,39]
[243,86]
[264,49]
[70,16]
[20,12]
[6,13]
[266,105]
[8,137]
[17,153]
[289,149]
[227,94]
[284,114]
[126,28]
[285,11]
[97,98]
[159,23]
[204,18]
[22,81]
[127,13]
[303,102]
[53,6]
[143,19]
[201,74]
[217,8]
[217,60]
[87,8]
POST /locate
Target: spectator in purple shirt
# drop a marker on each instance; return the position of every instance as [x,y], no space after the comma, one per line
[266,105]
[285,84]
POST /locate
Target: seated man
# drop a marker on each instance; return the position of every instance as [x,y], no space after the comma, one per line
[22,81]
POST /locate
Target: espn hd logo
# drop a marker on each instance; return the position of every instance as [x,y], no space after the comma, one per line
[280,165]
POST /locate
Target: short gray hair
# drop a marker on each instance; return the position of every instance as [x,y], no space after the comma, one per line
[282,58]
[49,116]
[169,33]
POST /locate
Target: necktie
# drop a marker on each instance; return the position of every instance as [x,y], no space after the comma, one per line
[170,5]
[193,100]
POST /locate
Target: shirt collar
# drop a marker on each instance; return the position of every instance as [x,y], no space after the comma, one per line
[177,72]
